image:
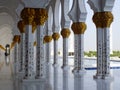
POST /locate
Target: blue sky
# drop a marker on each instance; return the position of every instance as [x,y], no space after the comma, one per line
[90,34]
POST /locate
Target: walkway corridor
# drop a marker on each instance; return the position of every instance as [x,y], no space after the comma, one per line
[6,78]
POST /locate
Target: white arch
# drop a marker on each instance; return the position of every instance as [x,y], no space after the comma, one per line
[10,12]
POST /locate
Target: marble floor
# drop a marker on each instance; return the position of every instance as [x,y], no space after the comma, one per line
[6,76]
[59,79]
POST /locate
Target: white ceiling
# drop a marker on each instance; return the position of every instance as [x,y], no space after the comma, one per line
[8,19]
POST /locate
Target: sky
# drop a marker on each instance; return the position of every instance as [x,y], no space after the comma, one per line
[90,34]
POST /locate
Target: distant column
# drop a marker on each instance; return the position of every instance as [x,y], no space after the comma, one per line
[16,41]
[65,34]
[21,27]
[55,37]
[48,39]
[79,29]
[78,15]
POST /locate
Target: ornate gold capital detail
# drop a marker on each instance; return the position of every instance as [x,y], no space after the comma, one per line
[102,19]
[55,36]
[21,26]
[41,16]
[35,43]
[78,27]
[1,47]
[27,15]
[65,32]
[16,39]
[12,44]
[34,26]
[47,39]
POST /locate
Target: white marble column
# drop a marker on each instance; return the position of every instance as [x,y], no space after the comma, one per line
[99,53]
[16,66]
[23,51]
[102,18]
[106,53]
[65,34]
[16,58]
[40,18]
[27,15]
[55,38]
[47,40]
[21,27]
[29,52]
[40,53]
[78,51]
[78,15]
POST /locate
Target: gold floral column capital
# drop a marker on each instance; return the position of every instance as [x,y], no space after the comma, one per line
[16,38]
[41,16]
[78,27]
[21,26]
[47,39]
[12,44]
[1,47]
[34,26]
[102,19]
[56,36]
[27,15]
[65,32]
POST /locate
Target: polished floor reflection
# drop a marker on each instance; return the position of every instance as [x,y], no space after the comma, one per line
[6,76]
[63,79]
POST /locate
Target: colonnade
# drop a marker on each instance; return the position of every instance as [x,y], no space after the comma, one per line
[32,47]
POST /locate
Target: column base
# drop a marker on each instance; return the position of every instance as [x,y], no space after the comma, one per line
[97,77]
[107,77]
[79,71]
[65,67]
[48,63]
[28,78]
[35,84]
[55,65]
[39,77]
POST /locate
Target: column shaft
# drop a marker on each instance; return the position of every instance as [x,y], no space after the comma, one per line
[30,73]
[65,52]
[16,62]
[40,53]
[48,52]
[99,52]
[103,21]
[79,52]
[23,52]
[106,52]
[55,52]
